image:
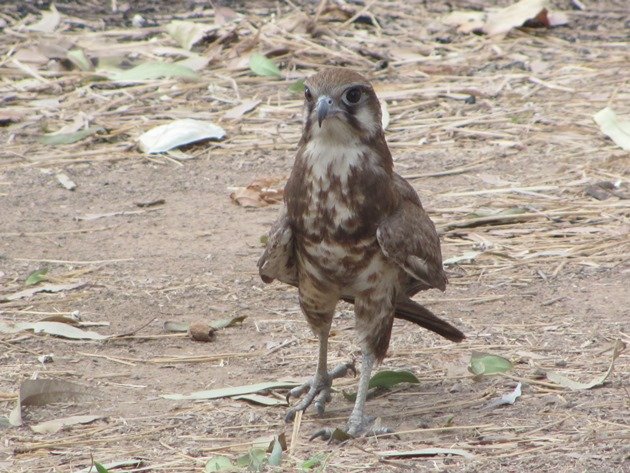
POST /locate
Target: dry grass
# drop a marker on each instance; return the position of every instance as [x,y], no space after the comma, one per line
[505,179]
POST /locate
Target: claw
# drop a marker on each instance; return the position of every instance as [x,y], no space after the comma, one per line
[316,390]
[324,434]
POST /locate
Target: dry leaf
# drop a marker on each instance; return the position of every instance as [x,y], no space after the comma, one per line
[51,328]
[53,426]
[232,391]
[44,288]
[178,133]
[611,126]
[260,193]
[48,23]
[509,398]
[39,392]
[576,385]
[240,110]
[188,33]
[523,13]
[65,181]
[465,21]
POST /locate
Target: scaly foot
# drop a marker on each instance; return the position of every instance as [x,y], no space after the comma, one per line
[317,389]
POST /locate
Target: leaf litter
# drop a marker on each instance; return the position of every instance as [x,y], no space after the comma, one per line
[426,133]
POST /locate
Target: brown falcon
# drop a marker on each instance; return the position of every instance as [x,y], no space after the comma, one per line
[351,229]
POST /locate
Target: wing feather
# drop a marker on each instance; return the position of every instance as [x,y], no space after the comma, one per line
[278,259]
[409,238]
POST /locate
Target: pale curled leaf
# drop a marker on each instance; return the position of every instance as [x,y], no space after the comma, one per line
[53,426]
[188,33]
[467,257]
[465,21]
[178,133]
[232,391]
[224,323]
[598,381]
[611,126]
[513,16]
[39,392]
[51,328]
[43,288]
[240,110]
[153,71]
[385,117]
[69,138]
[426,452]
[65,181]
[48,22]
[509,398]
[262,66]
[486,364]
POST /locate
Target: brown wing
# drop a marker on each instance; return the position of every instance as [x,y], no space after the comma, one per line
[409,238]
[278,260]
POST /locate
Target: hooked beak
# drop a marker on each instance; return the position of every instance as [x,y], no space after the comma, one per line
[324,105]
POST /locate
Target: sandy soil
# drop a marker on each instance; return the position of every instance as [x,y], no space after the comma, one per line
[193,258]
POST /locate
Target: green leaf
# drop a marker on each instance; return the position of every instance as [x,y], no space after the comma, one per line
[254,459]
[152,71]
[224,323]
[387,379]
[36,277]
[314,461]
[69,138]
[264,239]
[100,468]
[275,458]
[262,66]
[218,463]
[485,364]
[617,130]
[79,59]
[297,87]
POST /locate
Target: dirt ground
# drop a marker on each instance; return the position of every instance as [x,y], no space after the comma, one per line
[544,283]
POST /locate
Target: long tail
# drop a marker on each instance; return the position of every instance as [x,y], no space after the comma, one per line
[410,310]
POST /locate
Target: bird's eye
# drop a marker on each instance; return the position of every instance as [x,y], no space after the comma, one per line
[353,95]
[307,94]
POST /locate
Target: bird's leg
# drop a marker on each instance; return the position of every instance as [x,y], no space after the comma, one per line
[318,388]
[374,318]
[357,423]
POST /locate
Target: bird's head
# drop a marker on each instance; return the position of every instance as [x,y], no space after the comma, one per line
[340,105]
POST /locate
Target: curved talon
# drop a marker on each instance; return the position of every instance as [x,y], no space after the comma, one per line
[316,390]
[325,434]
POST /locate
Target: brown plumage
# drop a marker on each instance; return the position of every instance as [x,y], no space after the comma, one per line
[352,229]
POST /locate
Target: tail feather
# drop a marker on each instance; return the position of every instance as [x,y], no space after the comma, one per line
[410,310]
